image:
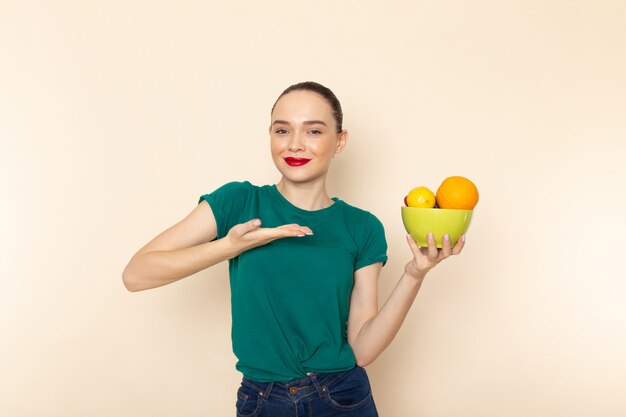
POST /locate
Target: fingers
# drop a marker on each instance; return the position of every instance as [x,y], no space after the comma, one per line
[413,245]
[243,228]
[446,246]
[433,253]
[280,231]
[286,230]
[429,251]
[459,245]
[426,258]
[297,229]
[249,235]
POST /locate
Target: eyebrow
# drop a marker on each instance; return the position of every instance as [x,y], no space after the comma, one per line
[306,122]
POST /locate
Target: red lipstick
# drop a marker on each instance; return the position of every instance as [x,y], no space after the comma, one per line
[296,162]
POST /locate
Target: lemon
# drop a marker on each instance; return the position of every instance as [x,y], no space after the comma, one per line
[420,197]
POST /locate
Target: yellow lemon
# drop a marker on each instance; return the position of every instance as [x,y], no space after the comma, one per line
[420,197]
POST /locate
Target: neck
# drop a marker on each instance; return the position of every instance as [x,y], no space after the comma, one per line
[307,196]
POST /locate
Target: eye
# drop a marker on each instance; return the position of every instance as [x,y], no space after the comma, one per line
[280,131]
[315,132]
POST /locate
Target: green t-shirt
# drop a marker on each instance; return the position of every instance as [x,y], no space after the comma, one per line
[290,299]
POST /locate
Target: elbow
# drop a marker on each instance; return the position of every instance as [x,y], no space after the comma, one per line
[363,362]
[364,354]
[129,281]
[363,359]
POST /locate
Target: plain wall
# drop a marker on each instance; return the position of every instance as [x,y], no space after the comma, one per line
[116,116]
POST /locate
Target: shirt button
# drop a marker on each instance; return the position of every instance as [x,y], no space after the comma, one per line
[293,390]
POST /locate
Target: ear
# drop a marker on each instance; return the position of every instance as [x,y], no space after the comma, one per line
[342,139]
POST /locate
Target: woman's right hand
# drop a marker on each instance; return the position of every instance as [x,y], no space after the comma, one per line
[191,246]
[249,235]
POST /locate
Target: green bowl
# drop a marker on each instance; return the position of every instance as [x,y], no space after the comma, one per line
[418,222]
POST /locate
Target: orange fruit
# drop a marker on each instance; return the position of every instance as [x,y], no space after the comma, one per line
[457,193]
[420,197]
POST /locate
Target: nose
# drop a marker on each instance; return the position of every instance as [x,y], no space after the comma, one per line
[296,143]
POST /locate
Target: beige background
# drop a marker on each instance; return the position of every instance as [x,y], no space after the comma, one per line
[116,116]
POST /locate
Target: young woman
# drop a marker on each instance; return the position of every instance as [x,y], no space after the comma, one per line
[304,270]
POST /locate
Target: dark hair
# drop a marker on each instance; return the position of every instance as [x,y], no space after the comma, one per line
[322,91]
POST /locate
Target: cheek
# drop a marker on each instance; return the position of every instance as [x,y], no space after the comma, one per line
[276,146]
[321,147]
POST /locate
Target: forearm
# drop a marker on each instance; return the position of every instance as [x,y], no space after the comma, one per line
[158,268]
[378,332]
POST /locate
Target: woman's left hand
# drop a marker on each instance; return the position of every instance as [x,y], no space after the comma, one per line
[426,258]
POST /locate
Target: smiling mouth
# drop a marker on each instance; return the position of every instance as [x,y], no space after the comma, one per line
[296,162]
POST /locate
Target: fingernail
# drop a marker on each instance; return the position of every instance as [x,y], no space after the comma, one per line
[431,236]
[446,237]
[408,237]
[463,238]
[301,235]
[256,222]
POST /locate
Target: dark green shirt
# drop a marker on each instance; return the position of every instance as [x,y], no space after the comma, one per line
[290,299]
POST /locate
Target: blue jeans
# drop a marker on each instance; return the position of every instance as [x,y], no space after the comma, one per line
[345,394]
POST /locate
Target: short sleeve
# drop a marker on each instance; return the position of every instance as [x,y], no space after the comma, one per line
[227,203]
[373,244]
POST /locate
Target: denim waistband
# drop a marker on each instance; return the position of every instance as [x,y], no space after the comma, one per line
[314,382]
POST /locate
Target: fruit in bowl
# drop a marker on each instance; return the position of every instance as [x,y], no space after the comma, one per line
[420,197]
[457,193]
[455,199]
